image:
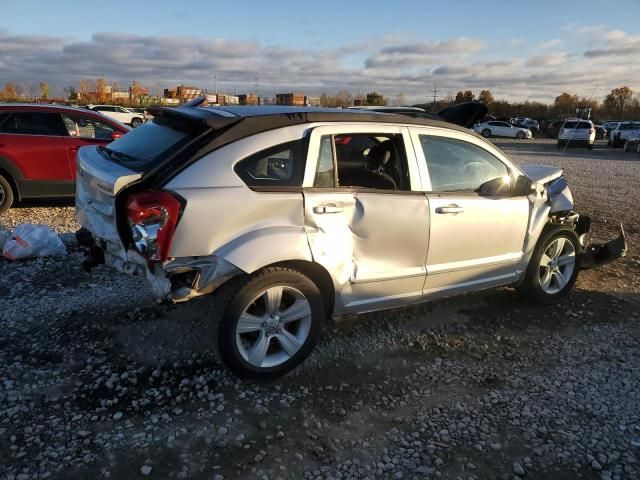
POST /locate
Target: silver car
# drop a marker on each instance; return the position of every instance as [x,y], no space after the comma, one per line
[286,216]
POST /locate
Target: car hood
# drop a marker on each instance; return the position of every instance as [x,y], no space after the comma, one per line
[541,173]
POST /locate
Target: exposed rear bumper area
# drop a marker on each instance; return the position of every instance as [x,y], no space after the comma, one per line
[598,254]
[176,280]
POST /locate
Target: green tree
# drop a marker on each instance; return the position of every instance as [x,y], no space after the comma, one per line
[375,98]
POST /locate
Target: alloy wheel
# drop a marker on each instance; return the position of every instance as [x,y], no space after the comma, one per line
[3,195]
[557,264]
[274,326]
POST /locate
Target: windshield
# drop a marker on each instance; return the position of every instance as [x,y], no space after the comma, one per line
[149,145]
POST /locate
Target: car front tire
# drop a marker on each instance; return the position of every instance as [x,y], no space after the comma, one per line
[553,267]
[136,122]
[6,194]
[486,133]
[266,324]
[520,135]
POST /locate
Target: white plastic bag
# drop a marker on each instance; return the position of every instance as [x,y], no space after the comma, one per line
[5,235]
[30,240]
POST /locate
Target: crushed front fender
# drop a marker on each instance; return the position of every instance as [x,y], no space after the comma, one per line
[598,254]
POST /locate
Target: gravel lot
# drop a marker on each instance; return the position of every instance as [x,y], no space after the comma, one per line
[97,381]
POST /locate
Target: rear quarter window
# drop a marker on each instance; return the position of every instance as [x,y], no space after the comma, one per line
[280,166]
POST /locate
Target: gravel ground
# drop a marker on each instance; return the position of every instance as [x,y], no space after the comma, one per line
[97,381]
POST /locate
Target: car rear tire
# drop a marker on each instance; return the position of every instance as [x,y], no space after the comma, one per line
[486,133]
[520,135]
[553,267]
[6,194]
[266,324]
[136,122]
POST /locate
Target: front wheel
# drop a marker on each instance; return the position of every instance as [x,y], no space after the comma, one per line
[136,122]
[486,133]
[553,267]
[267,324]
[520,135]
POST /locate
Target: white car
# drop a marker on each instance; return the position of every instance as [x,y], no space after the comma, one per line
[576,132]
[122,114]
[496,128]
[623,132]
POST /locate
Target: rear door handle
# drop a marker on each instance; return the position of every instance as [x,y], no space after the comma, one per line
[327,209]
[449,209]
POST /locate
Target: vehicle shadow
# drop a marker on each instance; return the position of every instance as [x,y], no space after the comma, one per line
[44,203]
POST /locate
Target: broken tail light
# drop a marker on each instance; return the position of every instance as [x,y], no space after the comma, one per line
[153,216]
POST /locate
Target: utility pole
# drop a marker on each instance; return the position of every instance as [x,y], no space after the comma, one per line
[435,95]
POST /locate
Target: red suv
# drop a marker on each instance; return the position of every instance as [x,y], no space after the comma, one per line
[38,145]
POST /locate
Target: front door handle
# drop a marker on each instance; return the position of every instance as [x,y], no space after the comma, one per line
[327,209]
[450,209]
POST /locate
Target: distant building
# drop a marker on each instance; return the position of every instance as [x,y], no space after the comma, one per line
[182,93]
[312,101]
[248,99]
[297,99]
[169,101]
[231,99]
[120,95]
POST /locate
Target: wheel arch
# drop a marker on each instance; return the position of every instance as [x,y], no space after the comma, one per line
[318,275]
[9,171]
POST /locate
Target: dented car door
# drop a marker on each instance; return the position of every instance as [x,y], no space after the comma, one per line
[372,239]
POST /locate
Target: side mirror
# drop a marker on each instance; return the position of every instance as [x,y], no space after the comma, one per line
[496,187]
[522,187]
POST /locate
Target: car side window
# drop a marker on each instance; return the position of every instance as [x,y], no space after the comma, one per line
[87,127]
[34,123]
[458,166]
[278,166]
[362,160]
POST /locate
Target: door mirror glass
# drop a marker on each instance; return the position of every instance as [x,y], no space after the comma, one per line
[523,186]
[496,187]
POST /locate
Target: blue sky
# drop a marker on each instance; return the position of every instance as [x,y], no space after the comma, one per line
[395,47]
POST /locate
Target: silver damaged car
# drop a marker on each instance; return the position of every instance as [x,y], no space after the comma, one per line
[286,216]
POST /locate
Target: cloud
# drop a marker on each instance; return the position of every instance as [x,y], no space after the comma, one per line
[555,42]
[550,60]
[390,64]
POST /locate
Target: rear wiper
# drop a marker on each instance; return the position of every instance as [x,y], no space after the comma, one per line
[115,155]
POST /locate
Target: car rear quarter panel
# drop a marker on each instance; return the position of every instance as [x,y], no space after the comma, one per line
[224,217]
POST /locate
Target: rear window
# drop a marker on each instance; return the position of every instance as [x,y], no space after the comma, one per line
[149,145]
[578,125]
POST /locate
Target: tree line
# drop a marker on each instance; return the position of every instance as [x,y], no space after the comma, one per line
[621,103]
